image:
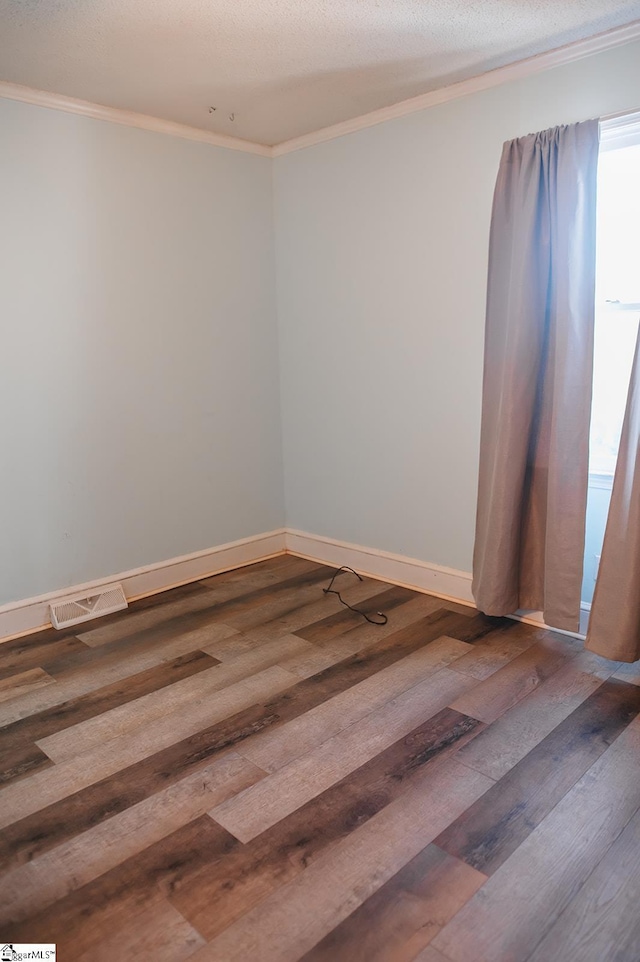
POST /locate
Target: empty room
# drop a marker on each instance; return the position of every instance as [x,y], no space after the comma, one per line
[319,481]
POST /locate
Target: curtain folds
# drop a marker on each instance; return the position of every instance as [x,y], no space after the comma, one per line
[536,403]
[614,624]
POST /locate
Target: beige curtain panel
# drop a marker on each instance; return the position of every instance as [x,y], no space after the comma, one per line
[614,624]
[536,402]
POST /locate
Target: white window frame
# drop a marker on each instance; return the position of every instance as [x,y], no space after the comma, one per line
[620,130]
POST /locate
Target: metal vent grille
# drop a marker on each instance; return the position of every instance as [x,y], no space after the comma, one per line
[77,608]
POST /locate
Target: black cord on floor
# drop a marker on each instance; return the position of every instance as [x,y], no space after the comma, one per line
[332,591]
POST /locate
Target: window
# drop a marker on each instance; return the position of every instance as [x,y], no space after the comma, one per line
[617,291]
[616,321]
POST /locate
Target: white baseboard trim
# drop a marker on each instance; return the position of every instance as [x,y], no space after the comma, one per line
[24,617]
[447,583]
[32,614]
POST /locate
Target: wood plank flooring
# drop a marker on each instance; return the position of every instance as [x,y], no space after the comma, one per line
[243,769]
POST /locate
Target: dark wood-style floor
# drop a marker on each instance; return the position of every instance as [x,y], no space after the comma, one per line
[241,769]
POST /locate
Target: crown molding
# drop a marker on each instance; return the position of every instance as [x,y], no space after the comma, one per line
[493,78]
[128,118]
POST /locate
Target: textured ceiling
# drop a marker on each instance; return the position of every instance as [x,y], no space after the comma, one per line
[280,68]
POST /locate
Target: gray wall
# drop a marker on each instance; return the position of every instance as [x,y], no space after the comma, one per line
[139,395]
[382,240]
[139,399]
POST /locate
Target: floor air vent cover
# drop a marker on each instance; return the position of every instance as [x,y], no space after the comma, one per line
[77,608]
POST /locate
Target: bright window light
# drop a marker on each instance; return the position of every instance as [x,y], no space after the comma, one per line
[617,299]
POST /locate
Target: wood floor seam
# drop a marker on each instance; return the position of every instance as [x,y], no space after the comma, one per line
[466,764]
